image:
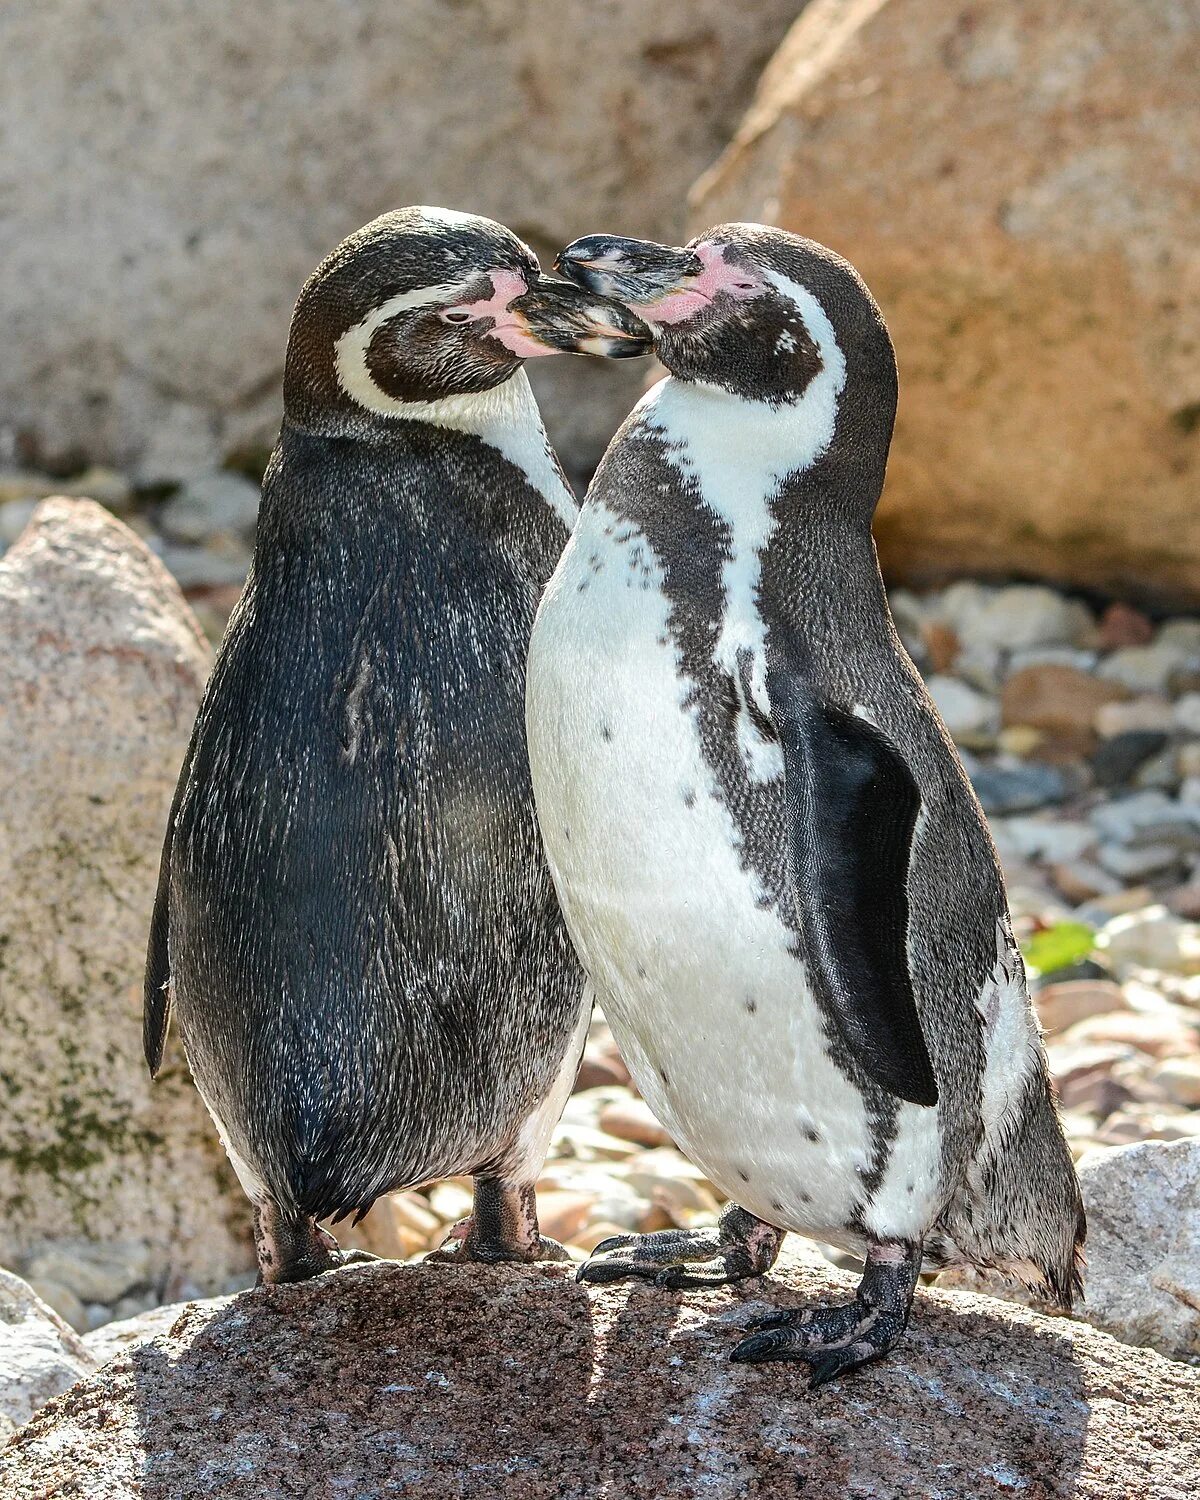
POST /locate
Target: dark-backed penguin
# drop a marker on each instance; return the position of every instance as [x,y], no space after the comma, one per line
[354,920]
[767,852]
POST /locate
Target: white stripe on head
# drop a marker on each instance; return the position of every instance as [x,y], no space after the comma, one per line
[739,452]
[506,416]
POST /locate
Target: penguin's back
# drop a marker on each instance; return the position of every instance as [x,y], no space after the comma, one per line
[367,958]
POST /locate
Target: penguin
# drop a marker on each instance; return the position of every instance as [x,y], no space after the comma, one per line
[354,920]
[768,855]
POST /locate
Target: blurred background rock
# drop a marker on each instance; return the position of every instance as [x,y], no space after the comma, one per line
[1017,180]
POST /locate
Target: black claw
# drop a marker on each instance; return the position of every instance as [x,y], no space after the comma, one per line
[829,1366]
[761,1346]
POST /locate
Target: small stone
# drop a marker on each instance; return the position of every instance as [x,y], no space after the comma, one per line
[93,1272]
[1082,880]
[1179,1079]
[1122,625]
[1145,669]
[1025,616]
[601,1067]
[211,567]
[210,504]
[63,1300]
[1141,862]
[26,484]
[562,1215]
[1062,1004]
[1017,788]
[633,1120]
[1187,713]
[1160,772]
[1184,901]
[1151,939]
[450,1201]
[1059,701]
[1149,712]
[1047,839]
[1159,1034]
[14,517]
[1019,740]
[1083,1075]
[1142,1122]
[942,645]
[969,716]
[105,486]
[1149,817]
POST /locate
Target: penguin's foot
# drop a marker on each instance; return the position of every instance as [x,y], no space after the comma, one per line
[738,1246]
[503,1227]
[832,1340]
[292,1247]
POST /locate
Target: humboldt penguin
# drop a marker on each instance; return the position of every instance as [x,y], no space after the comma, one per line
[354,920]
[768,855]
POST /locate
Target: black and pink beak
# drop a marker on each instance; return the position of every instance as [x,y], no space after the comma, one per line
[661,283]
[560,317]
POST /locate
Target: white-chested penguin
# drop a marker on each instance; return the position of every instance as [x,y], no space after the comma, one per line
[354,921]
[767,852]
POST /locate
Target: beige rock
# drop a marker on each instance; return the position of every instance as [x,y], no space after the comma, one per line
[1020,187]
[517,1382]
[1143,1279]
[266,133]
[633,1120]
[1179,1079]
[39,1355]
[451,1200]
[1164,1033]
[1061,1005]
[100,674]
[1061,702]
[1146,712]
[398,1226]
[562,1215]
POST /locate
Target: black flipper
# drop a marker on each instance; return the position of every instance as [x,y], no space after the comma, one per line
[156,995]
[852,808]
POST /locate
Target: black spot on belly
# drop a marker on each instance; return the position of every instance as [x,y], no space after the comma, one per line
[689,797]
[605,732]
[909,1188]
[811,1133]
[776,1207]
[567,833]
[751,1004]
[662,1073]
[664,640]
[804,1198]
[745,1176]
[579,588]
[641,971]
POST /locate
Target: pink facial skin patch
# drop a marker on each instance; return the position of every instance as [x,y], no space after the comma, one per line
[717,276]
[508,327]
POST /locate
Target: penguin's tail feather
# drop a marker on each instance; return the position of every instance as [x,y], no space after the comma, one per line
[1020,1210]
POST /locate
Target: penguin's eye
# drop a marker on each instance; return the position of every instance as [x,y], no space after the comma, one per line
[743,286]
[456,315]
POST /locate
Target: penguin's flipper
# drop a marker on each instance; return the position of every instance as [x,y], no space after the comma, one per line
[156,993]
[852,809]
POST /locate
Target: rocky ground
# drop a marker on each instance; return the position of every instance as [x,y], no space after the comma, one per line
[1080,725]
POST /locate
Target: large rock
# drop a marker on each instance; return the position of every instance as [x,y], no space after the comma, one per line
[441,1381]
[145,313]
[1143,1278]
[100,673]
[1020,186]
[39,1354]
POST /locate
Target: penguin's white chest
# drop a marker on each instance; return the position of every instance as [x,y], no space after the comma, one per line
[695,974]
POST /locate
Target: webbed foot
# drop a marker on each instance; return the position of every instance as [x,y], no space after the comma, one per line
[737,1246]
[832,1340]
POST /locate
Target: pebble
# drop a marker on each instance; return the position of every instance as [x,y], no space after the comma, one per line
[1122,625]
[1148,712]
[90,1272]
[1063,1004]
[1017,788]
[633,1120]
[211,504]
[1150,938]
[1179,1079]
[1159,1035]
[210,567]
[1061,701]
[1025,616]
[1145,669]
[62,1299]
[969,715]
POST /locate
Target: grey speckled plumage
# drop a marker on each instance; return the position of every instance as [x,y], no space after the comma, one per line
[363,943]
[851,1052]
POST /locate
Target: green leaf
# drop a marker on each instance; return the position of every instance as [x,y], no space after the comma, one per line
[1059,947]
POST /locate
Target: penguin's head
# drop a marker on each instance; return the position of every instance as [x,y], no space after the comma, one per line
[426,303]
[752,309]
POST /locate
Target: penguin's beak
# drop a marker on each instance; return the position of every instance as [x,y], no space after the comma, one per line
[643,275]
[559,317]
